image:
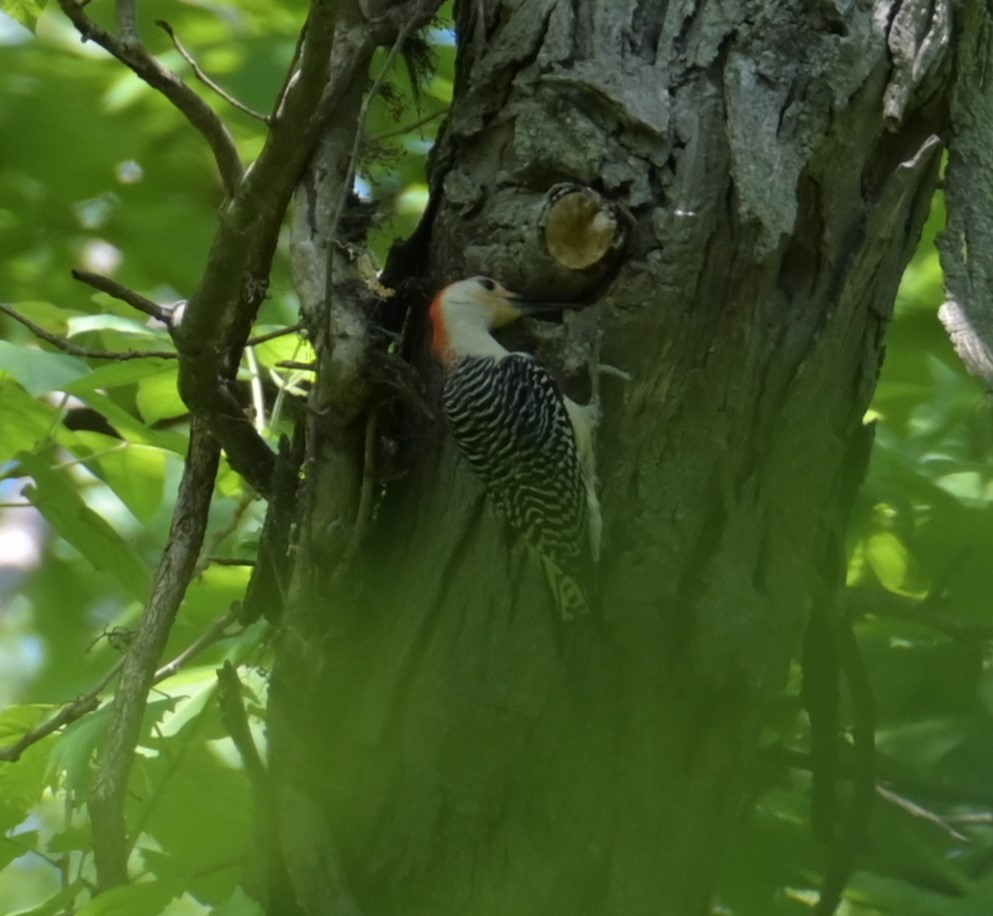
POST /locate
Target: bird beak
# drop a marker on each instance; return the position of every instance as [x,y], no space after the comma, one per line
[527,307]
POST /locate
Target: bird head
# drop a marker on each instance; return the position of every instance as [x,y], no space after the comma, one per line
[464,310]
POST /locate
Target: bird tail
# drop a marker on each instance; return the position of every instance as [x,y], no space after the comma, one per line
[572,599]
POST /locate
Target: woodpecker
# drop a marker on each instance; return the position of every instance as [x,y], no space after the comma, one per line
[531,446]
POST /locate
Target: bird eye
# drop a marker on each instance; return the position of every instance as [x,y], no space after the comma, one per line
[487,284]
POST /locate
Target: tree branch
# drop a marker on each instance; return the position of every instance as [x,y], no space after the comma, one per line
[60,343]
[273,335]
[130,52]
[202,76]
[931,612]
[966,245]
[78,708]
[124,294]
[216,631]
[90,701]
[106,801]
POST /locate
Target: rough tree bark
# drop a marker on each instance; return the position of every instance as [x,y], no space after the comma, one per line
[440,744]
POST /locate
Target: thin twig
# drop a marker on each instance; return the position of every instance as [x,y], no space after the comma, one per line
[90,701]
[407,128]
[78,708]
[363,514]
[272,335]
[929,612]
[225,531]
[214,560]
[294,364]
[124,294]
[60,343]
[130,52]
[214,633]
[255,387]
[915,810]
[202,76]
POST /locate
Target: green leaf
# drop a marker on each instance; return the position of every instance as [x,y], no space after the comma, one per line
[132,427]
[53,318]
[22,782]
[58,500]
[16,721]
[887,556]
[60,903]
[14,847]
[136,473]
[114,375]
[25,421]
[83,324]
[73,753]
[38,371]
[26,12]
[148,897]
[72,839]
[239,904]
[158,396]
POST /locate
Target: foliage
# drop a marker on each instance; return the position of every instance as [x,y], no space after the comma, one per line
[99,171]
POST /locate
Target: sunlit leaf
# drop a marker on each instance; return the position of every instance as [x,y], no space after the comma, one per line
[24,421]
[56,904]
[115,374]
[38,371]
[158,395]
[26,12]
[21,781]
[72,757]
[16,846]
[239,904]
[887,556]
[86,531]
[146,897]
[132,427]
[135,472]
[15,721]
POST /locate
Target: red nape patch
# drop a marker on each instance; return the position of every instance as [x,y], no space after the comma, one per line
[439,333]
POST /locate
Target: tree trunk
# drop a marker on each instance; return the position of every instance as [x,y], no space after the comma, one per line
[441,743]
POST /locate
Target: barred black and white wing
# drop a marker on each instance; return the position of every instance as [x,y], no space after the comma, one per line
[509,418]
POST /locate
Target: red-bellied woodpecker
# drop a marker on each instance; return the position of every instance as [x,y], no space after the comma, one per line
[531,446]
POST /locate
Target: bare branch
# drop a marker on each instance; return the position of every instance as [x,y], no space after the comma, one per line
[202,76]
[919,811]
[214,633]
[272,335]
[106,801]
[60,343]
[124,294]
[363,515]
[407,128]
[931,612]
[129,51]
[78,708]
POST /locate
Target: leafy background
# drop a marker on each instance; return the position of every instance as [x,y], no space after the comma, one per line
[98,171]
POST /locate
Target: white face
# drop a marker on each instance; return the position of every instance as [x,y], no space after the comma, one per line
[479,300]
